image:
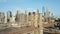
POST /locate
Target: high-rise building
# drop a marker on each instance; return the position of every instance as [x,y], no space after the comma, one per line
[29,18]
[43,11]
[22,18]
[47,14]
[12,19]
[33,18]
[17,19]
[40,23]
[5,19]
[26,16]
[2,17]
[9,15]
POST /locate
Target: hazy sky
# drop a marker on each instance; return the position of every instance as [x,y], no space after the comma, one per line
[13,5]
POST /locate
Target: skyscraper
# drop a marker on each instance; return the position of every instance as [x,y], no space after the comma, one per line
[40,23]
[47,14]
[9,14]
[43,10]
[26,16]
[21,18]
[2,17]
[17,19]
[29,18]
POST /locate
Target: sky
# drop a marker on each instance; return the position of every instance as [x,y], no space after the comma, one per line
[31,5]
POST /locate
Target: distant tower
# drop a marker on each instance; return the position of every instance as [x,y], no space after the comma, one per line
[29,18]
[26,16]
[5,19]
[9,15]
[18,12]
[47,15]
[17,19]
[2,17]
[44,14]
[47,12]
[26,11]
[33,18]
[52,15]
[43,10]
[37,11]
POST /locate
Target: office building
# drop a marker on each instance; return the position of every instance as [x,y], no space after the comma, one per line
[29,18]
[26,16]
[17,19]
[47,15]
[9,15]
[2,17]
[43,11]
[40,22]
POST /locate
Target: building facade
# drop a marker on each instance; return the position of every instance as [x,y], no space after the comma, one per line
[2,17]
[9,15]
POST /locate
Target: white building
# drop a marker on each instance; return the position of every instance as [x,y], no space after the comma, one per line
[2,17]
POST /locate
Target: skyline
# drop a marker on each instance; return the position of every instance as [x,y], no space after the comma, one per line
[32,5]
